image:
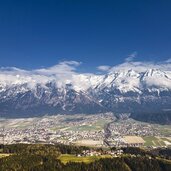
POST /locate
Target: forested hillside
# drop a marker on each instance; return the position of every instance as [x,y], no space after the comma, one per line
[46,158]
[161,117]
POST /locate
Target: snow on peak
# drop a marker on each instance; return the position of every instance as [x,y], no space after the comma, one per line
[133,76]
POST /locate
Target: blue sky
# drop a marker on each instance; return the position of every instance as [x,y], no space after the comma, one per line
[39,33]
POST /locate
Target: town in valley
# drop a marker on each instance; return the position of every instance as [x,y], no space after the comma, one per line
[100,130]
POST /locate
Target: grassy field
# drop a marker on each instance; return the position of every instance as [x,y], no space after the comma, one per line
[165,130]
[155,141]
[166,139]
[3,155]
[65,158]
[99,125]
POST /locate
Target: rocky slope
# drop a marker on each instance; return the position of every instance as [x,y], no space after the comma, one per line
[24,93]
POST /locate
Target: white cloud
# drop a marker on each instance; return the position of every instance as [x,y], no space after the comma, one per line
[168,61]
[131,57]
[65,67]
[103,68]
[66,72]
[142,66]
[62,73]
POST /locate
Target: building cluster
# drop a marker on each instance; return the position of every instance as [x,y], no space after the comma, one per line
[78,129]
[53,129]
[130,127]
[93,152]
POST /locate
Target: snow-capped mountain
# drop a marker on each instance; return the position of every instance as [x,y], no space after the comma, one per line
[26,93]
[129,90]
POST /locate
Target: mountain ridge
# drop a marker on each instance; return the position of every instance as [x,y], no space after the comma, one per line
[125,90]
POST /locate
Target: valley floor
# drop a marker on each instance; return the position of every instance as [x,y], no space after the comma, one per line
[100,130]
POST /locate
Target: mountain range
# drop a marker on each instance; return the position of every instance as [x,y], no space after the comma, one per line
[124,90]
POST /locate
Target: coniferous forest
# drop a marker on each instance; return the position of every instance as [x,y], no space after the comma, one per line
[38,157]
